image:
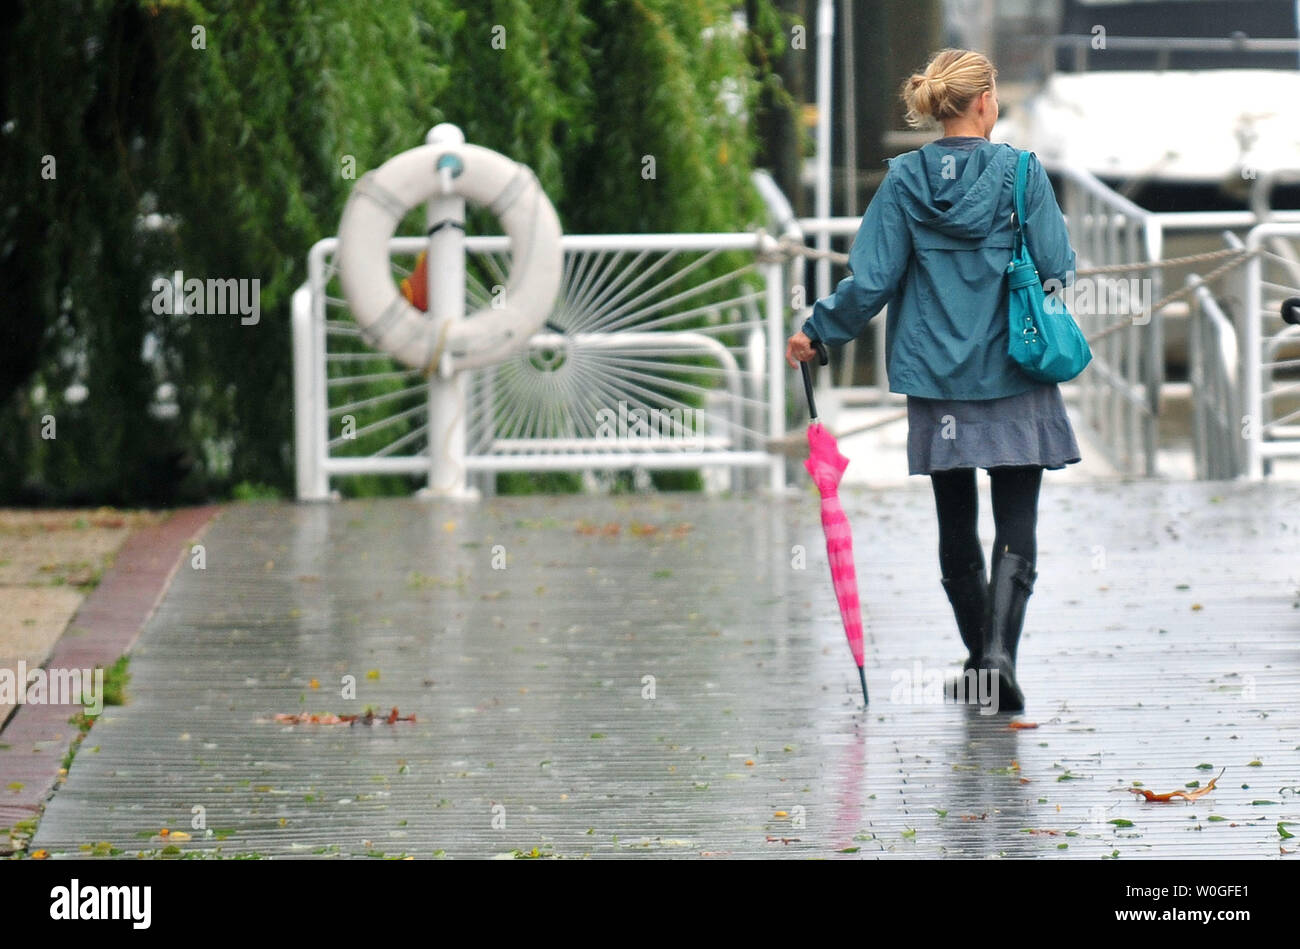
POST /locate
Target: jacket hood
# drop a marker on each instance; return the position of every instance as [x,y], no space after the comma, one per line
[954,189]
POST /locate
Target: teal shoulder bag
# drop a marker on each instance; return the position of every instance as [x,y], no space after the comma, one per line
[1045,342]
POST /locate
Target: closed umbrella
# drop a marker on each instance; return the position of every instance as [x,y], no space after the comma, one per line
[826,465]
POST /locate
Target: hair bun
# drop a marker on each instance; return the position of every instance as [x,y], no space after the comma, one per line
[951,80]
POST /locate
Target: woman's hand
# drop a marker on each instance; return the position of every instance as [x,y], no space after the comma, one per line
[798,349]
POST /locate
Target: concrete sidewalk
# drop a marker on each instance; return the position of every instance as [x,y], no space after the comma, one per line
[667,676]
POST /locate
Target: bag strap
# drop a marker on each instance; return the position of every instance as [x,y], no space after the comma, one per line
[1022,168]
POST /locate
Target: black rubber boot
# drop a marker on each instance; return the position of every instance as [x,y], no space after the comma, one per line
[969,595]
[1010,586]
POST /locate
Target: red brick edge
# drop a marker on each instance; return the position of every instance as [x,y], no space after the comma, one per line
[105,626]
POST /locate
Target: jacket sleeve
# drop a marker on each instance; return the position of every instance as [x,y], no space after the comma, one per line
[1046,234]
[877,261]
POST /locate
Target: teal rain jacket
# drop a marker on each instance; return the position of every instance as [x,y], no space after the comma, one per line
[934,245]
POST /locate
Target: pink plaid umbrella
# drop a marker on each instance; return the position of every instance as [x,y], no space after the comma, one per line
[826,465]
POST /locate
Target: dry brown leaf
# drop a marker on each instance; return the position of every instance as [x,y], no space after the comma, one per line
[1185,795]
[369,718]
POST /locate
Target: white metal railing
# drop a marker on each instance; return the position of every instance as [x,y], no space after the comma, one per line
[1119,392]
[1271,348]
[655,357]
[1172,222]
[1214,374]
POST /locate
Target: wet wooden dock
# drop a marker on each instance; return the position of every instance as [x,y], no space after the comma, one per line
[667,676]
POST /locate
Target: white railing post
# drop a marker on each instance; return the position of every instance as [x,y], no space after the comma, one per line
[317,408]
[1153,241]
[1253,376]
[822,200]
[448,392]
[306,462]
[776,337]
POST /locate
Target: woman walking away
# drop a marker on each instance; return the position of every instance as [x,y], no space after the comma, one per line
[934,244]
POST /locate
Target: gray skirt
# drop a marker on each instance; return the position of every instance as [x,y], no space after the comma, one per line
[1031,428]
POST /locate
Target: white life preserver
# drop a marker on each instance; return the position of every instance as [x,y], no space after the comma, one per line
[379,202]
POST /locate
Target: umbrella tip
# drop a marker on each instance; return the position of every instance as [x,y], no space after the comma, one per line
[862,676]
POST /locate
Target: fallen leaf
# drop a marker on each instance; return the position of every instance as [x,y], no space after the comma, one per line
[40,854]
[1186,795]
[1018,724]
[328,718]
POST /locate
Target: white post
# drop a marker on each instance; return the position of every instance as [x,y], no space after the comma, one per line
[318,407]
[775,372]
[850,133]
[306,461]
[1253,381]
[448,392]
[825,49]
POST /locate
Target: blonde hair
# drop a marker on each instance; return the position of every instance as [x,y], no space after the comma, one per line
[952,79]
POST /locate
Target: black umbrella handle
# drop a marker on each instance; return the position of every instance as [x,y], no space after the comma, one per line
[823,357]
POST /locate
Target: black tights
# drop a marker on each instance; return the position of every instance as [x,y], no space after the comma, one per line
[1015,512]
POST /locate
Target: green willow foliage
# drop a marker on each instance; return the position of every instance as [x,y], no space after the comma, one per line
[215,138]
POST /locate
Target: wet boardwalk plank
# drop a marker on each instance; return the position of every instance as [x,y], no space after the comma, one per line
[535,726]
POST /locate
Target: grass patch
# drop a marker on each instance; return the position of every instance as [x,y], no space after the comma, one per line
[116,677]
[115,680]
[255,491]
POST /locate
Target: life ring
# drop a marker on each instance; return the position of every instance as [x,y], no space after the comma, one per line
[379,201]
